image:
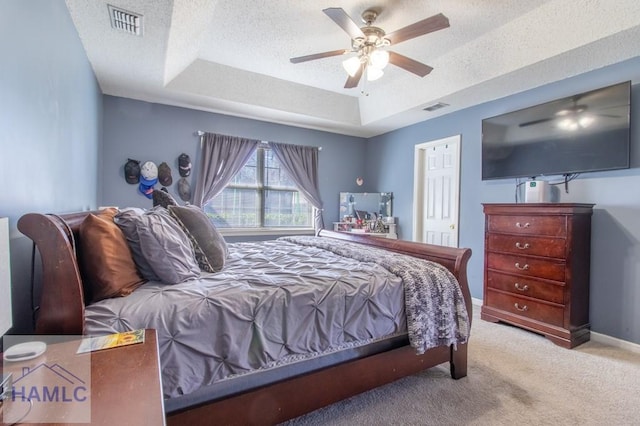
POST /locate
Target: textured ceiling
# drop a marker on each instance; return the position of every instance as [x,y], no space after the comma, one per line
[232,56]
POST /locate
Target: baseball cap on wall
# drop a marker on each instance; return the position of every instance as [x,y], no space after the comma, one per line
[132,171]
[184,189]
[146,190]
[184,163]
[149,174]
[164,174]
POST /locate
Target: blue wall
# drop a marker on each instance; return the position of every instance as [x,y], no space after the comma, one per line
[54,157]
[50,126]
[153,132]
[615,257]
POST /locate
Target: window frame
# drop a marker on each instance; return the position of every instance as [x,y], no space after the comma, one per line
[261,188]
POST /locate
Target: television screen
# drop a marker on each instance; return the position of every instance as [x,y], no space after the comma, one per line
[581,133]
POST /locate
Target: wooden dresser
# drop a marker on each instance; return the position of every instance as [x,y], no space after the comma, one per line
[536,271]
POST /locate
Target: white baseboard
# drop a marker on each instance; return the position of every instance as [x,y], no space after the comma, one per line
[614,341]
[596,337]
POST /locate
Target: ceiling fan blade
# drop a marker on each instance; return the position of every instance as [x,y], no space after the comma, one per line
[531,123]
[409,64]
[353,81]
[318,56]
[340,17]
[426,26]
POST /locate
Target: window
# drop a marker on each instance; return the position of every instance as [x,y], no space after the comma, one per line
[261,195]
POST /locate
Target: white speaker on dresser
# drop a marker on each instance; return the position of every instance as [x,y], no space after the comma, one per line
[537,191]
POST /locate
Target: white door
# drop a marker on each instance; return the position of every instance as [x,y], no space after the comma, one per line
[436,192]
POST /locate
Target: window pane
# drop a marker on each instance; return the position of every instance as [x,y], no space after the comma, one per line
[286,208]
[235,208]
[248,175]
[275,177]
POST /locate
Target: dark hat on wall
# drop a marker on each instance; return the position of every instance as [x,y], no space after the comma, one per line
[164,174]
[184,163]
[149,173]
[132,171]
[184,189]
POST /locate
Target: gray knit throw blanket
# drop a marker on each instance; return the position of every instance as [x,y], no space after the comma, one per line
[435,308]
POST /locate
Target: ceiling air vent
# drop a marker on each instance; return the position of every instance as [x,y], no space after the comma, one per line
[126,21]
[436,106]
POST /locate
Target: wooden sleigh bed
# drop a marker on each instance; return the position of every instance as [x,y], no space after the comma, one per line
[62,311]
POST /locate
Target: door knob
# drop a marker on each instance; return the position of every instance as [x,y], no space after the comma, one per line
[452,226]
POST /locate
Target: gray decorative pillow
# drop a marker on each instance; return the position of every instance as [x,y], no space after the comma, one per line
[127,220]
[166,247]
[208,244]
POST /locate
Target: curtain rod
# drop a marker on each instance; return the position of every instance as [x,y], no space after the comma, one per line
[201,133]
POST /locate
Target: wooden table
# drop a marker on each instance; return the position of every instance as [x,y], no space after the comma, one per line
[124,388]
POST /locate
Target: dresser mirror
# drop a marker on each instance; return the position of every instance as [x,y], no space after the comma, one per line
[366,205]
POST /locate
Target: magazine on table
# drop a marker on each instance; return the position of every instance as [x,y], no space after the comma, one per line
[91,344]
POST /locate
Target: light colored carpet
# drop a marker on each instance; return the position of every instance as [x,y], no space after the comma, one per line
[514,378]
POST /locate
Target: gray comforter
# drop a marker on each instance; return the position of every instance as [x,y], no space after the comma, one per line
[278,302]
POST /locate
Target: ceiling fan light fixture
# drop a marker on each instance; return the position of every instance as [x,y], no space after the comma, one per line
[586,120]
[352,65]
[374,73]
[379,59]
[575,123]
[568,124]
[369,45]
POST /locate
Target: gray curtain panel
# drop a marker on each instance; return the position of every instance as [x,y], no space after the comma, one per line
[221,157]
[301,163]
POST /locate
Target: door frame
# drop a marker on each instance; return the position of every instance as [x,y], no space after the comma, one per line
[419,171]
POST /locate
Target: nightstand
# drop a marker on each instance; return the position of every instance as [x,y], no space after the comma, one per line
[125,387]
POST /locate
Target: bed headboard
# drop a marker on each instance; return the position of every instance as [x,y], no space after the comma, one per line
[62,302]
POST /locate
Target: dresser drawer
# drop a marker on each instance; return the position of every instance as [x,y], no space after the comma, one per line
[553,226]
[524,286]
[538,311]
[550,269]
[526,244]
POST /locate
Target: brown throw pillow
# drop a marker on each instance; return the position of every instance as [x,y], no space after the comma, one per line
[208,244]
[106,259]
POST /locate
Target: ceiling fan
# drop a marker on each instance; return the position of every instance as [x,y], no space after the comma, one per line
[572,117]
[370,43]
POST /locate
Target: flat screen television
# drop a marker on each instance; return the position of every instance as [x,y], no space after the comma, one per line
[582,133]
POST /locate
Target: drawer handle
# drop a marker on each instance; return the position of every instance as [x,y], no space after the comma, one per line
[521,309]
[520,225]
[523,288]
[522,247]
[522,268]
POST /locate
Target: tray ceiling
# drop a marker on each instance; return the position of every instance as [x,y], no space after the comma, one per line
[232,56]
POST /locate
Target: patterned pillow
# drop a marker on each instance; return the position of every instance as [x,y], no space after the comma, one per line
[106,259]
[208,244]
[164,199]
